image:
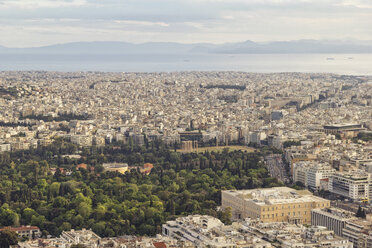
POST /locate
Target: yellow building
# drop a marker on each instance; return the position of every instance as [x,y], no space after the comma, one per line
[280,204]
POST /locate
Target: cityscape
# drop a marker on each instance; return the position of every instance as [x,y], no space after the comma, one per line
[279,159]
[185,124]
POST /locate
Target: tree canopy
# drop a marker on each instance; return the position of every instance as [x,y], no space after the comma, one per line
[114,204]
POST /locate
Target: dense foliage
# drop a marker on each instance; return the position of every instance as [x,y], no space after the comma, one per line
[113,204]
[365,136]
[11,91]
[61,117]
[8,238]
[224,86]
[14,124]
[290,143]
[360,213]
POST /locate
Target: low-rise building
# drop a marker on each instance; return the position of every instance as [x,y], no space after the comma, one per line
[198,230]
[286,235]
[333,218]
[25,232]
[359,232]
[207,231]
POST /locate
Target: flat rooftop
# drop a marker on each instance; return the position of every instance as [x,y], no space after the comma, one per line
[276,195]
[336,213]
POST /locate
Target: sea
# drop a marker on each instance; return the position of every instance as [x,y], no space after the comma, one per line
[344,64]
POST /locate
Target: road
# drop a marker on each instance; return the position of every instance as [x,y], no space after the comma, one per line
[276,167]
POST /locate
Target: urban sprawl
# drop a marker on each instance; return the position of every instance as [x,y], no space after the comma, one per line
[318,128]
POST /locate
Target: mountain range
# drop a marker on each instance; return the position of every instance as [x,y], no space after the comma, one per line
[247,47]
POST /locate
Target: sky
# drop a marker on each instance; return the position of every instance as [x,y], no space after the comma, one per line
[30,23]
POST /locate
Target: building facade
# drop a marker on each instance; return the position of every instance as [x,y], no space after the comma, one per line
[25,232]
[333,218]
[359,232]
[354,185]
[279,204]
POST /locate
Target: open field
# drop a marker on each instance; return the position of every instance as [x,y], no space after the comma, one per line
[220,148]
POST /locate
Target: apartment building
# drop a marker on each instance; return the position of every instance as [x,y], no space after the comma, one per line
[359,232]
[354,185]
[311,173]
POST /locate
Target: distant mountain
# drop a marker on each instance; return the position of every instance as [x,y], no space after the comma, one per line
[247,47]
[299,46]
[105,48]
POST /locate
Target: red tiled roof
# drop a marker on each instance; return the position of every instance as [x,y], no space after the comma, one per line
[160,245]
[21,228]
[148,165]
[84,166]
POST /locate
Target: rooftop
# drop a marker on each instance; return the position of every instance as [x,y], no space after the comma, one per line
[276,195]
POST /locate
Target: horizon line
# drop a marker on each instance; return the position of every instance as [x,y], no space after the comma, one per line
[186,43]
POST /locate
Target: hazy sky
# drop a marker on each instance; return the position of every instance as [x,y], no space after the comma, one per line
[25,23]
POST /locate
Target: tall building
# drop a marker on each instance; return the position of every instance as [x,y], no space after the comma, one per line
[354,185]
[311,173]
[279,204]
[317,173]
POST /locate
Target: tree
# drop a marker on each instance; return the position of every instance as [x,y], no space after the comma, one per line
[113,204]
[225,215]
[360,213]
[8,238]
[54,189]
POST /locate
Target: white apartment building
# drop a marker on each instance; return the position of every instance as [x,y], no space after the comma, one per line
[316,173]
[300,171]
[354,185]
[311,173]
